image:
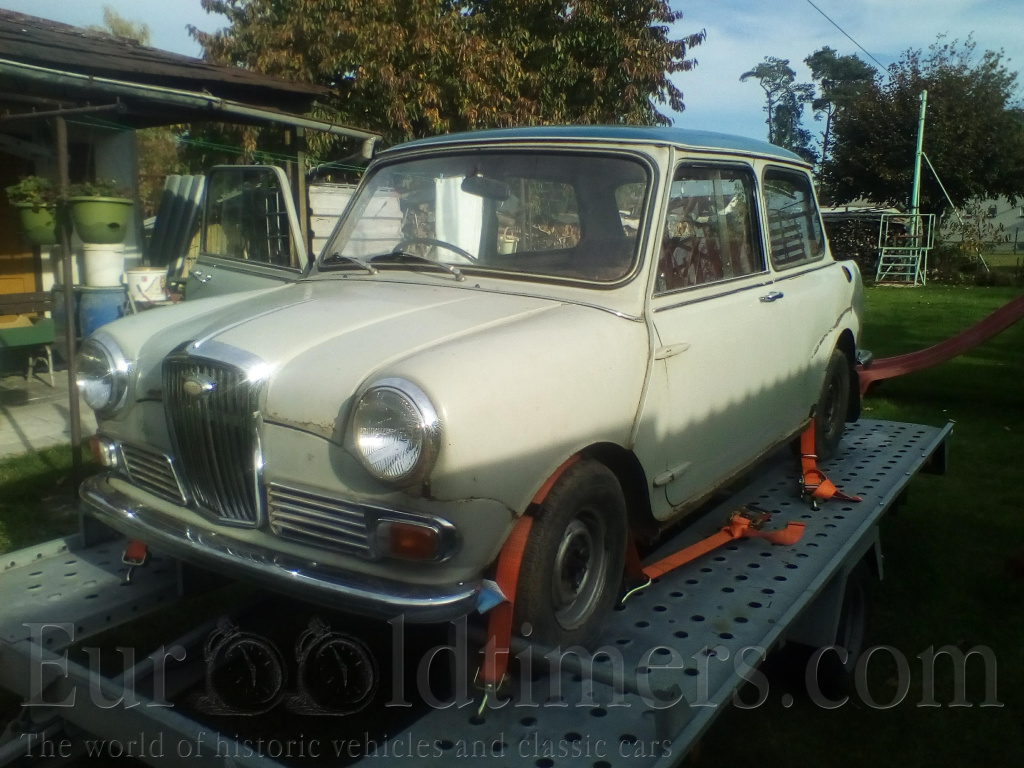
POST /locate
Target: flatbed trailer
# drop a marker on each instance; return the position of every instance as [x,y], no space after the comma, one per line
[671,658]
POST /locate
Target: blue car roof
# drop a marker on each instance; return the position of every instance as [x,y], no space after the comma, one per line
[681,137]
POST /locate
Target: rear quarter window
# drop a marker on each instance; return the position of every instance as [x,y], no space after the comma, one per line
[795,235]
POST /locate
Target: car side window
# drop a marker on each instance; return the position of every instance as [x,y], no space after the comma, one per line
[710,232]
[795,235]
[247,218]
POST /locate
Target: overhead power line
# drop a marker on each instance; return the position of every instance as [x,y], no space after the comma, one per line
[880,64]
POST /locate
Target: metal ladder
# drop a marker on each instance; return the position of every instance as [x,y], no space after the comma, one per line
[903,244]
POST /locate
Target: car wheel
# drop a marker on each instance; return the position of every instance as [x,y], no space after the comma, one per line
[833,405]
[835,677]
[572,565]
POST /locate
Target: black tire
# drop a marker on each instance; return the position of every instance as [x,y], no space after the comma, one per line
[835,677]
[833,405]
[572,565]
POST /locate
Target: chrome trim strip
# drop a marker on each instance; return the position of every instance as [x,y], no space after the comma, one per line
[256,369]
[815,268]
[306,579]
[207,338]
[699,299]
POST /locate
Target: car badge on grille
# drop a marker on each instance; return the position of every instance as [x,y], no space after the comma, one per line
[198,386]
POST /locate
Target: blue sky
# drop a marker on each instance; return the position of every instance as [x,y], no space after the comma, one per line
[740,34]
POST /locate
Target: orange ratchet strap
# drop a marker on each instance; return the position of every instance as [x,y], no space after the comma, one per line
[815,484]
[499,623]
[743,524]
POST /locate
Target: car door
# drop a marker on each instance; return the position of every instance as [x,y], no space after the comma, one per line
[814,286]
[250,236]
[716,381]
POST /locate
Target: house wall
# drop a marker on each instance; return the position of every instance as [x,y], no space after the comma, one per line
[326,204]
[997,213]
[18,273]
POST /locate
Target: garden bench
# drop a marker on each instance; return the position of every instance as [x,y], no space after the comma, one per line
[21,332]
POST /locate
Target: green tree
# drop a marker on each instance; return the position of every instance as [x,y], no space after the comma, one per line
[974,131]
[785,99]
[411,68]
[840,79]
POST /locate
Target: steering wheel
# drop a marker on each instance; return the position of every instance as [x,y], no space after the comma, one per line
[439,243]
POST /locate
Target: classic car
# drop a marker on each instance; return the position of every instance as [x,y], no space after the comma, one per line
[594,326]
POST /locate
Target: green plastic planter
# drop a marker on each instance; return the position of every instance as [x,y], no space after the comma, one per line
[101,220]
[38,224]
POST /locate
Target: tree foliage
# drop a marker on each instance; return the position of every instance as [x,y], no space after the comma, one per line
[840,79]
[412,68]
[785,99]
[974,131]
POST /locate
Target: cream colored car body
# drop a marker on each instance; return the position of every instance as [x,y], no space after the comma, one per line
[677,389]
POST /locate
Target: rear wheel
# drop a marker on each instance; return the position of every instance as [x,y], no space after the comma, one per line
[833,405]
[572,565]
[834,675]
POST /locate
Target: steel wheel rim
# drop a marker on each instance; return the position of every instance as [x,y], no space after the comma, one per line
[580,568]
[831,410]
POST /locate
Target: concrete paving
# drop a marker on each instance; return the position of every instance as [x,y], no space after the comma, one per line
[34,415]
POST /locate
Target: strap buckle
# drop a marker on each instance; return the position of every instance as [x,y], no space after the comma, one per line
[756,517]
[490,690]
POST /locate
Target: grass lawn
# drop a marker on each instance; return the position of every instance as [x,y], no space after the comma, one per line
[947,580]
[30,483]
[946,575]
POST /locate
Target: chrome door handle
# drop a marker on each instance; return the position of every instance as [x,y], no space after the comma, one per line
[771,296]
[207,278]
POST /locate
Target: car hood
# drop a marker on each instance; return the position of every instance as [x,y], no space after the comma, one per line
[318,341]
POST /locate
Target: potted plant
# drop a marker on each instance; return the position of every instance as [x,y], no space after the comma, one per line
[100,211]
[35,197]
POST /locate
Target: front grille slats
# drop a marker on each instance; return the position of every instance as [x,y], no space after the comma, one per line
[301,523]
[152,472]
[214,434]
[310,518]
[320,518]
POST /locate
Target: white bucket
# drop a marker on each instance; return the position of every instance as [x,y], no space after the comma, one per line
[147,284]
[104,264]
[57,262]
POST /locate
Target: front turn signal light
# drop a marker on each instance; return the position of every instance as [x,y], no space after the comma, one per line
[409,541]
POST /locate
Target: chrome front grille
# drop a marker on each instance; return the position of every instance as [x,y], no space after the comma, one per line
[152,471]
[212,410]
[321,521]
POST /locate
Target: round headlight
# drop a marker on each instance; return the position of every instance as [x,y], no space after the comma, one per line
[395,432]
[102,374]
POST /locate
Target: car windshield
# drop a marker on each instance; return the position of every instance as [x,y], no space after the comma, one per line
[557,215]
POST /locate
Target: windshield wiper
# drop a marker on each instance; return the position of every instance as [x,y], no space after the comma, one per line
[352,260]
[404,257]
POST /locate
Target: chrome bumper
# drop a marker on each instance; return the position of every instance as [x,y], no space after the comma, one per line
[305,579]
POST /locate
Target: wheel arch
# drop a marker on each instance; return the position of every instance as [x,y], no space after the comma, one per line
[628,471]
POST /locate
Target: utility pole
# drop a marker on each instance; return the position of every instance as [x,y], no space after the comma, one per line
[915,195]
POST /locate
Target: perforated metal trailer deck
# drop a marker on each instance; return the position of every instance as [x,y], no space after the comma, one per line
[675,642]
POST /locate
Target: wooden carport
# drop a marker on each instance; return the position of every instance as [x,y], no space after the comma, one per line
[50,71]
